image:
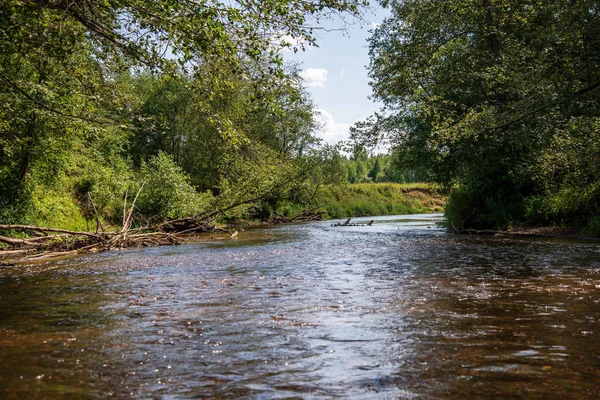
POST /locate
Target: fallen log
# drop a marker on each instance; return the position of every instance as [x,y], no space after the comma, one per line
[5,253]
[45,255]
[45,229]
[18,242]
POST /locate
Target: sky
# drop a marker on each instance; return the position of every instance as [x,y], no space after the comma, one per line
[335,73]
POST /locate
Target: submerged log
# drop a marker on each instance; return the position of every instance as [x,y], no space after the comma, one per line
[347,223]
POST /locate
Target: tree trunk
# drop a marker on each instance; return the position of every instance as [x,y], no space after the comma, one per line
[493,37]
[26,161]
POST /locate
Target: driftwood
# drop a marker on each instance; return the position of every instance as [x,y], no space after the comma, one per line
[80,242]
[18,242]
[65,242]
[304,216]
[347,223]
[43,229]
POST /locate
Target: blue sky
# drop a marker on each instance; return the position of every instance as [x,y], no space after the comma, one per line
[335,73]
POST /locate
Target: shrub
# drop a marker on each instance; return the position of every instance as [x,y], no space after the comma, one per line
[593,228]
[168,193]
[471,208]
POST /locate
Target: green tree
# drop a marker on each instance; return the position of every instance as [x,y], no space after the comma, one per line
[90,91]
[167,192]
[485,93]
[376,173]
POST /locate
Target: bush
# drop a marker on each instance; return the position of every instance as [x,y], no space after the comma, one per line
[168,193]
[593,228]
[470,208]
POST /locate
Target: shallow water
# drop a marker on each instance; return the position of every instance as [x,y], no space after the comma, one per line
[400,309]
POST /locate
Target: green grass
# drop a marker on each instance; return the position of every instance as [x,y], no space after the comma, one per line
[368,199]
[57,208]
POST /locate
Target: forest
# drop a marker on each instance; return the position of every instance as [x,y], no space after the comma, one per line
[464,258]
[500,101]
[188,109]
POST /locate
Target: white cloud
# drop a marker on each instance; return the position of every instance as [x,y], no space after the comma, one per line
[343,73]
[314,77]
[332,132]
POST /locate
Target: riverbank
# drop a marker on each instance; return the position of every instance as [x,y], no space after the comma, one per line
[348,201]
[555,232]
[370,199]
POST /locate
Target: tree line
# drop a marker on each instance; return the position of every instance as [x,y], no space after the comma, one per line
[362,167]
[187,104]
[500,100]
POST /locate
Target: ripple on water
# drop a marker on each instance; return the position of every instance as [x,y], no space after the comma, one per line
[397,310]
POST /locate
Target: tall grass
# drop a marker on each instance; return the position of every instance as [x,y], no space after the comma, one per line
[368,199]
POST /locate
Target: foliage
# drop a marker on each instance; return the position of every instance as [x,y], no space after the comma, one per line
[164,35]
[362,168]
[498,98]
[167,192]
[370,199]
[190,97]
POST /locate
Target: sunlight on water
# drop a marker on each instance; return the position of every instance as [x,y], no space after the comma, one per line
[399,309]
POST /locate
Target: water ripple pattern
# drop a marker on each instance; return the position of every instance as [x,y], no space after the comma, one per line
[399,309]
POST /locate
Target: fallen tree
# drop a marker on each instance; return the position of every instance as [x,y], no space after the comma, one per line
[55,242]
[72,242]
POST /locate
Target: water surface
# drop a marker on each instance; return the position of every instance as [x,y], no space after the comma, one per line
[400,309]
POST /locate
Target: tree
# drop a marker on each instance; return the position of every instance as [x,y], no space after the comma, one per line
[480,92]
[167,33]
[88,86]
[376,173]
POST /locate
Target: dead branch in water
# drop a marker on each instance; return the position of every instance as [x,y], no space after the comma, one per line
[74,242]
[5,227]
[304,216]
[18,242]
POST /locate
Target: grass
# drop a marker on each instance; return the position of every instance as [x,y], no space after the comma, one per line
[369,199]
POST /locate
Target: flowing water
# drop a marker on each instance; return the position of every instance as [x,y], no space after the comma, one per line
[400,309]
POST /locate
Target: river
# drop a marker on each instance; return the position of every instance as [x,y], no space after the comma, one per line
[400,309]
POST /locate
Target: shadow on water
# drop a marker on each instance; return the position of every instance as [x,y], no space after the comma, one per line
[400,309]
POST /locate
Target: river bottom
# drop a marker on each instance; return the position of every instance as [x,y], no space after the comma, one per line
[400,309]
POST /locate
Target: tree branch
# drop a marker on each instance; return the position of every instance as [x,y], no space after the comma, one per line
[48,108]
[542,108]
[42,229]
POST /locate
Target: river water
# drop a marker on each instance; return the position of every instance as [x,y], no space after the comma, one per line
[400,309]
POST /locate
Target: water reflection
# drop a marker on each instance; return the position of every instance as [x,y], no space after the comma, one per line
[399,309]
